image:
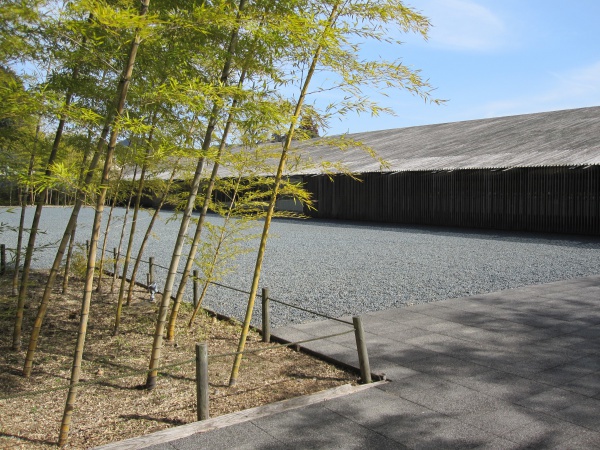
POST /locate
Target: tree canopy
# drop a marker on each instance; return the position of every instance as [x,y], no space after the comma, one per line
[183,86]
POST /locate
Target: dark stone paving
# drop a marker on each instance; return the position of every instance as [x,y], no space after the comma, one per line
[512,369]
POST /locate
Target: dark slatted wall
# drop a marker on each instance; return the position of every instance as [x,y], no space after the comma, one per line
[533,199]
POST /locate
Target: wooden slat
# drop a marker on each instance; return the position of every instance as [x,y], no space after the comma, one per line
[171,434]
[532,199]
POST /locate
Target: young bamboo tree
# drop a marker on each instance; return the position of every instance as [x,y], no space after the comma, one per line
[38,209]
[136,209]
[117,196]
[212,253]
[333,16]
[87,295]
[261,114]
[340,56]
[54,270]
[138,200]
[83,190]
[178,112]
[207,199]
[223,244]
[252,54]
[187,213]
[107,228]
[124,227]
[86,177]
[23,199]
[82,173]
[22,296]
[163,198]
[67,235]
[244,186]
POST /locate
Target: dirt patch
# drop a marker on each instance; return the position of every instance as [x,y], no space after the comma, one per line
[111,405]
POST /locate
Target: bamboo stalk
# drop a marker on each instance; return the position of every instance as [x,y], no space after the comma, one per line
[166,297]
[279,175]
[87,296]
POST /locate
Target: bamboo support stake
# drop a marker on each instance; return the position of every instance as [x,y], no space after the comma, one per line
[361,347]
[266,316]
[202,380]
[115,269]
[2,259]
[150,270]
[196,288]
[65,283]
[115,261]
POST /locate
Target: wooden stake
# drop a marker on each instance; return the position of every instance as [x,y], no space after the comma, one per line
[115,269]
[266,316]
[202,380]
[2,259]
[151,270]
[196,287]
[361,346]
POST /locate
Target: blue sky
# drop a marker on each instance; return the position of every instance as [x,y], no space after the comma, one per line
[493,58]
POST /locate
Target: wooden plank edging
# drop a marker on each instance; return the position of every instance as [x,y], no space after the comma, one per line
[172,434]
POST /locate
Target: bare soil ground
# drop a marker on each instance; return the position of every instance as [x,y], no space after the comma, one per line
[111,405]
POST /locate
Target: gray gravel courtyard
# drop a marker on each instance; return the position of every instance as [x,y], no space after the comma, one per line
[341,268]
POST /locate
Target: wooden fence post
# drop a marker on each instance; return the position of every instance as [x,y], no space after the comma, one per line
[116,262]
[195,286]
[150,270]
[2,259]
[202,380]
[115,269]
[361,346]
[266,316]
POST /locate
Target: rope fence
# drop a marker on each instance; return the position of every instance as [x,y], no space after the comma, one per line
[152,265]
[202,356]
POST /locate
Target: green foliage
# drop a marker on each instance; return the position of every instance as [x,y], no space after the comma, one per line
[17,18]
[76,49]
[223,244]
[78,265]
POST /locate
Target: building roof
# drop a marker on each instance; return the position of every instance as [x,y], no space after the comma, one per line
[557,138]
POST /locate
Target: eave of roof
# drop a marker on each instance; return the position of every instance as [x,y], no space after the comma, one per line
[556,138]
[566,138]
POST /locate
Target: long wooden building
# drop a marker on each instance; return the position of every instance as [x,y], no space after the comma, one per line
[534,172]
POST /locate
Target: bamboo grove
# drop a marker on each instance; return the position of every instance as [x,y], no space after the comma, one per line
[103,101]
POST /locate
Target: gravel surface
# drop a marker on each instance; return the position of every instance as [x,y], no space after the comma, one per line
[343,268]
